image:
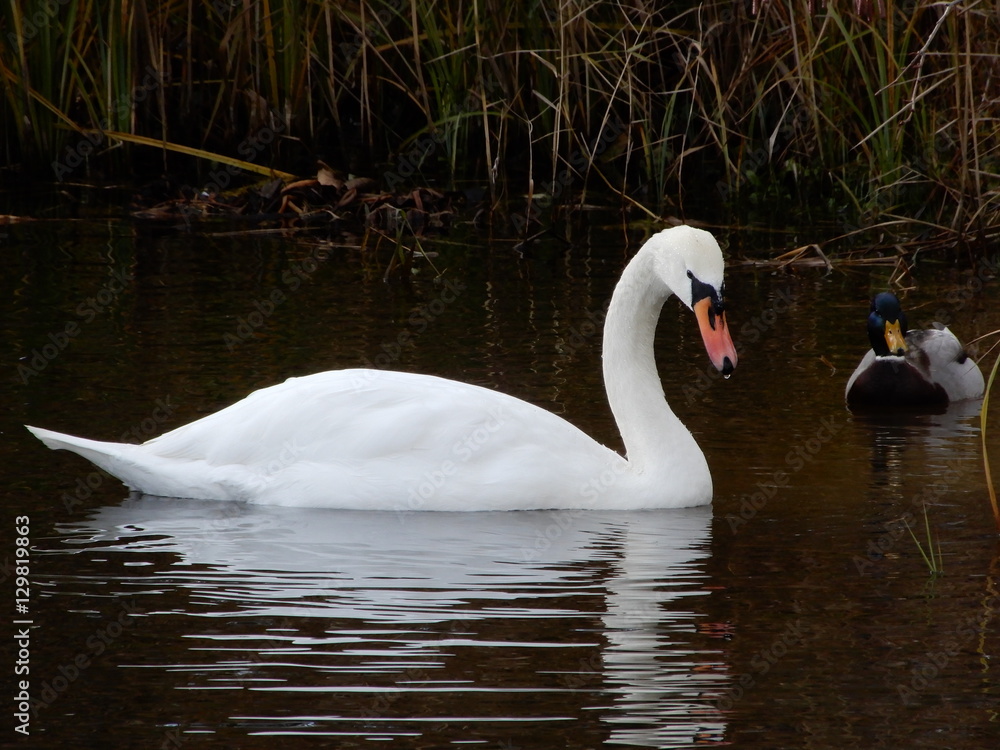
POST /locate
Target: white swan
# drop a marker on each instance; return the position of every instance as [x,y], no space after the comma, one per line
[376,440]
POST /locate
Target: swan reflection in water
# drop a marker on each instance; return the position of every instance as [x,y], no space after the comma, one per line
[599,601]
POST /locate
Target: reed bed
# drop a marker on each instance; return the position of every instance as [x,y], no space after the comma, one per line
[884,114]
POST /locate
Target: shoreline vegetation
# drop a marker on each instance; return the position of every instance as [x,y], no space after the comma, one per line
[884,115]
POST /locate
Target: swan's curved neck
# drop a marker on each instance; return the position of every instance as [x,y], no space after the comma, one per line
[651,431]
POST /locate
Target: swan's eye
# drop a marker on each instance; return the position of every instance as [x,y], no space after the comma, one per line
[700,290]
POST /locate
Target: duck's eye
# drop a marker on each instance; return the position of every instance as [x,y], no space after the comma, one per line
[690,275]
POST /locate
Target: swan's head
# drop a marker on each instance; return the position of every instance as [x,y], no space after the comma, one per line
[690,263]
[887,325]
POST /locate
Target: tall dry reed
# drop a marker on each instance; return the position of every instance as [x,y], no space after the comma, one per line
[886,112]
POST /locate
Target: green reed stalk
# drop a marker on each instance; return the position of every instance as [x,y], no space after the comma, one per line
[932,557]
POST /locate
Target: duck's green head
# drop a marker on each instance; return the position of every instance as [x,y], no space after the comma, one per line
[887,326]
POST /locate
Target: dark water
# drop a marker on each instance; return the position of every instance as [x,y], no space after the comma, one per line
[795,612]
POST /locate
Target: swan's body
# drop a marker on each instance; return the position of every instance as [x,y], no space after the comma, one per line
[926,368]
[424,443]
[370,439]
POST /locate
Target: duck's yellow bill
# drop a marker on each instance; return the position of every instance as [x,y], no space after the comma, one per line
[894,338]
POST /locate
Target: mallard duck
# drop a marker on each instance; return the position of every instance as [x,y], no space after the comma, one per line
[378,440]
[927,368]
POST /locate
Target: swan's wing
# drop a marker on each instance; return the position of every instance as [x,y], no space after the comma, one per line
[386,440]
[947,363]
[355,415]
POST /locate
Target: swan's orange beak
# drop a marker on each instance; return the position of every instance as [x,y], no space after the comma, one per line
[894,338]
[715,334]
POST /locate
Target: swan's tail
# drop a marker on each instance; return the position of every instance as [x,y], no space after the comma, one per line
[140,468]
[112,457]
